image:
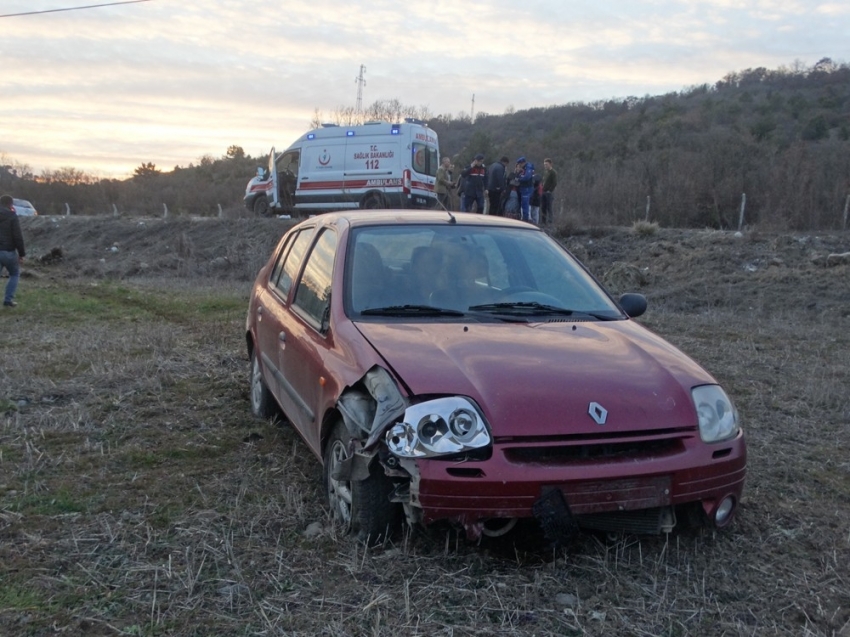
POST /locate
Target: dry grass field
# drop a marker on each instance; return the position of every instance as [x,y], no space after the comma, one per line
[139,497]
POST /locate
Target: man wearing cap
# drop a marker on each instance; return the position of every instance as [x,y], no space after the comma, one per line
[525,177]
[496,184]
[474,186]
[12,250]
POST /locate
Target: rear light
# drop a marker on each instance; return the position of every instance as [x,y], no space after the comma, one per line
[405,181]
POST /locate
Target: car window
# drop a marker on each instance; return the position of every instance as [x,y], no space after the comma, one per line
[424,159]
[292,262]
[313,294]
[281,257]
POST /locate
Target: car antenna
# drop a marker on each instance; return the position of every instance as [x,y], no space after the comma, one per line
[452,218]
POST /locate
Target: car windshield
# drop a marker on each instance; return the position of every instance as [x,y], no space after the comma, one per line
[453,270]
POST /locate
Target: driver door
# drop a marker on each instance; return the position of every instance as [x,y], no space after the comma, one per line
[287,178]
[273,195]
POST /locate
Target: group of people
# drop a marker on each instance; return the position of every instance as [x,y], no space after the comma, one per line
[524,193]
[12,249]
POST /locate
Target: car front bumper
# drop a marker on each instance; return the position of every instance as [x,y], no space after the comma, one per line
[504,486]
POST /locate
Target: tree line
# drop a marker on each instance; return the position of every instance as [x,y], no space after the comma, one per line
[781,137]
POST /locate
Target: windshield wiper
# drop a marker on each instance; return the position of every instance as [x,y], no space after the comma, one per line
[410,310]
[521,307]
[525,308]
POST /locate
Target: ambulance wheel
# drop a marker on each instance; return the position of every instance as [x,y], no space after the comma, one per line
[373,202]
[261,207]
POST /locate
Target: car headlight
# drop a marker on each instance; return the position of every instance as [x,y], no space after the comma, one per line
[718,418]
[438,427]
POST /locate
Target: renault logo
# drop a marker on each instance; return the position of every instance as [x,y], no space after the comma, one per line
[598,413]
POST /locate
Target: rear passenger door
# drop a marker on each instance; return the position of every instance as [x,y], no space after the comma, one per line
[305,340]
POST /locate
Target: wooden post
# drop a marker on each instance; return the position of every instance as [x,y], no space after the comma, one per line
[67,210]
[846,206]
[743,207]
[164,211]
[647,208]
[220,212]
[114,210]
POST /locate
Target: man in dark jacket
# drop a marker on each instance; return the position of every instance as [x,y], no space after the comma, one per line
[12,249]
[474,185]
[496,184]
[550,180]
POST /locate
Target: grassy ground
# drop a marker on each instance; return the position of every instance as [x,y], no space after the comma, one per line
[139,497]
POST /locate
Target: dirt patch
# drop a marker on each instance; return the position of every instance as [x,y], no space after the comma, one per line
[138,497]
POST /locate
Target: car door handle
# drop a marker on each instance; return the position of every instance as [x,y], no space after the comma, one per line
[281,337]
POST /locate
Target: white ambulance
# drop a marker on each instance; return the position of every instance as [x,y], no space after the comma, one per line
[376,165]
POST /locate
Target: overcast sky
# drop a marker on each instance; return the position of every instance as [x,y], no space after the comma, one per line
[106,89]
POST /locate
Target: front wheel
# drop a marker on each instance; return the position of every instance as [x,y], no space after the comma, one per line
[262,401]
[360,507]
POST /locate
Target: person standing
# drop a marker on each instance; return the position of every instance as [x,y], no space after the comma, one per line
[12,251]
[550,181]
[525,185]
[474,185]
[444,184]
[534,202]
[496,185]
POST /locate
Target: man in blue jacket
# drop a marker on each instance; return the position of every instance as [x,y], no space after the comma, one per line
[525,176]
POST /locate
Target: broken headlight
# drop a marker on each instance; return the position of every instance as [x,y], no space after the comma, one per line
[438,427]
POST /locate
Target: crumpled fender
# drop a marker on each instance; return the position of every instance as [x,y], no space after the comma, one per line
[368,415]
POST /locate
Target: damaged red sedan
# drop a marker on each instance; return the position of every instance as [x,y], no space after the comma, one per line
[468,368]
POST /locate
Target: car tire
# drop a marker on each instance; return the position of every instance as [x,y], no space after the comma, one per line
[261,207]
[373,202]
[358,507]
[262,401]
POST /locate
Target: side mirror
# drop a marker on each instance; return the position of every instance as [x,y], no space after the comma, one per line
[633,304]
[261,172]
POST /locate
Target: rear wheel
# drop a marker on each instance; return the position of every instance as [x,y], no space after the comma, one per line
[262,401]
[261,206]
[373,202]
[360,507]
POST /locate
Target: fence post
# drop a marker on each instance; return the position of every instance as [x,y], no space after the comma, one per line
[743,207]
[114,210]
[647,208]
[220,212]
[164,211]
[67,210]
[846,206]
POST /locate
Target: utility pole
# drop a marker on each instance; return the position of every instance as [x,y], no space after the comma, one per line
[361,82]
[472,110]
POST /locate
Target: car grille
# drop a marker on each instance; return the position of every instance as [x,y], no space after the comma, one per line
[580,449]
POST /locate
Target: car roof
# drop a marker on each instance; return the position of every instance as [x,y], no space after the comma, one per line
[21,202]
[358,218]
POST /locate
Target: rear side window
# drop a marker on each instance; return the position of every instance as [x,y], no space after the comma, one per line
[292,262]
[313,295]
[424,159]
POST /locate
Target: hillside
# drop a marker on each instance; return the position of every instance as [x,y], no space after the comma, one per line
[684,270]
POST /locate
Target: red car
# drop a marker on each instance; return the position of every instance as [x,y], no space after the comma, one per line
[468,368]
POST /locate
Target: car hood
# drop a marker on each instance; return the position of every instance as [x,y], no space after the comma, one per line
[540,379]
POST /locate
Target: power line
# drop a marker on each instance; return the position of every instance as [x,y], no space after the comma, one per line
[91,6]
